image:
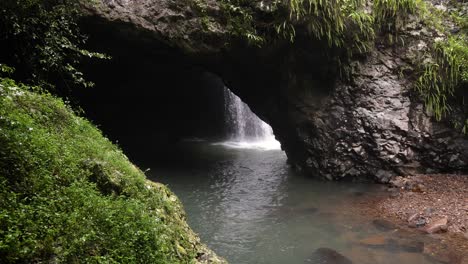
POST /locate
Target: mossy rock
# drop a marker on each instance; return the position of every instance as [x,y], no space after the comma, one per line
[68,195]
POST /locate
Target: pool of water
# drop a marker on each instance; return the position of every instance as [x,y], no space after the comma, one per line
[250,207]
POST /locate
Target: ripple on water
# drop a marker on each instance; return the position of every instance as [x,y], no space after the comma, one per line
[249,207]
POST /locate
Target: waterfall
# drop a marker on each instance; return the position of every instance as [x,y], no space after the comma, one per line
[245,129]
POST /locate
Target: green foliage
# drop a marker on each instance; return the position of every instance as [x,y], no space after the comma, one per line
[341,23]
[442,77]
[391,14]
[42,40]
[5,69]
[68,195]
[240,21]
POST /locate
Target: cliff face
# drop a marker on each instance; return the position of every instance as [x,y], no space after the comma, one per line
[373,127]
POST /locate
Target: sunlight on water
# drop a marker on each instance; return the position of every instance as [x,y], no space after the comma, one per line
[267,144]
[250,207]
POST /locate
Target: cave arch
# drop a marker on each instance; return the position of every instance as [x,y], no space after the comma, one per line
[367,129]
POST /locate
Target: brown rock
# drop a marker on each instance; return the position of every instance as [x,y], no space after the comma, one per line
[413,217]
[398,182]
[406,245]
[384,225]
[439,225]
[329,256]
[373,241]
[418,188]
[416,220]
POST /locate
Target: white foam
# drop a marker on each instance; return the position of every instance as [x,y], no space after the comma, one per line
[268,144]
[246,130]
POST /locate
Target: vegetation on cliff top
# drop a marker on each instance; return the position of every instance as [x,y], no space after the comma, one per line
[41,39]
[444,79]
[68,195]
[355,25]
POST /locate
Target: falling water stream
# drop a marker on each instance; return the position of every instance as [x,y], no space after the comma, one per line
[245,129]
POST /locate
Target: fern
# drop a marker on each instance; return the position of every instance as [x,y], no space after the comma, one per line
[442,77]
[391,15]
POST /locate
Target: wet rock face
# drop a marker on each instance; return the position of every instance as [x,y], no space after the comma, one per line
[174,22]
[372,128]
[376,128]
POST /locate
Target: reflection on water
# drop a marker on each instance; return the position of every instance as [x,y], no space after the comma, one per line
[249,207]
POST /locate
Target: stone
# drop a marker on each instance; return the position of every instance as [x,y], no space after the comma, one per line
[398,182]
[327,256]
[440,225]
[374,241]
[428,211]
[413,217]
[393,244]
[418,188]
[202,256]
[416,220]
[384,225]
[384,175]
[406,245]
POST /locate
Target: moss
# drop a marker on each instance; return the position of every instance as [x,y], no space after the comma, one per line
[68,195]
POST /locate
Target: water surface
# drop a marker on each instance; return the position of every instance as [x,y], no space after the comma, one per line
[249,207]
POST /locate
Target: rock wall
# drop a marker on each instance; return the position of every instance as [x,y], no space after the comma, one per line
[372,128]
[375,128]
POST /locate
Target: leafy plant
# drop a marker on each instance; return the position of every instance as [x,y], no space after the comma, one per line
[68,195]
[444,75]
[42,40]
[390,14]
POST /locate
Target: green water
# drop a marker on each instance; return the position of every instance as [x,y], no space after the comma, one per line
[249,207]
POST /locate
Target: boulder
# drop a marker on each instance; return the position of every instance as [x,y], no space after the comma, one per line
[327,256]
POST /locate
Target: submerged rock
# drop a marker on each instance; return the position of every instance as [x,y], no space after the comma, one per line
[393,244]
[374,241]
[406,245]
[327,256]
[384,225]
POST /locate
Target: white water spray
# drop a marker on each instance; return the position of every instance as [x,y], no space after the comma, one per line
[245,129]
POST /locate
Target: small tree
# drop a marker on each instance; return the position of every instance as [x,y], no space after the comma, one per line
[41,39]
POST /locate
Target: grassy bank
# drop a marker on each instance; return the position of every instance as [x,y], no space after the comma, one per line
[68,195]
